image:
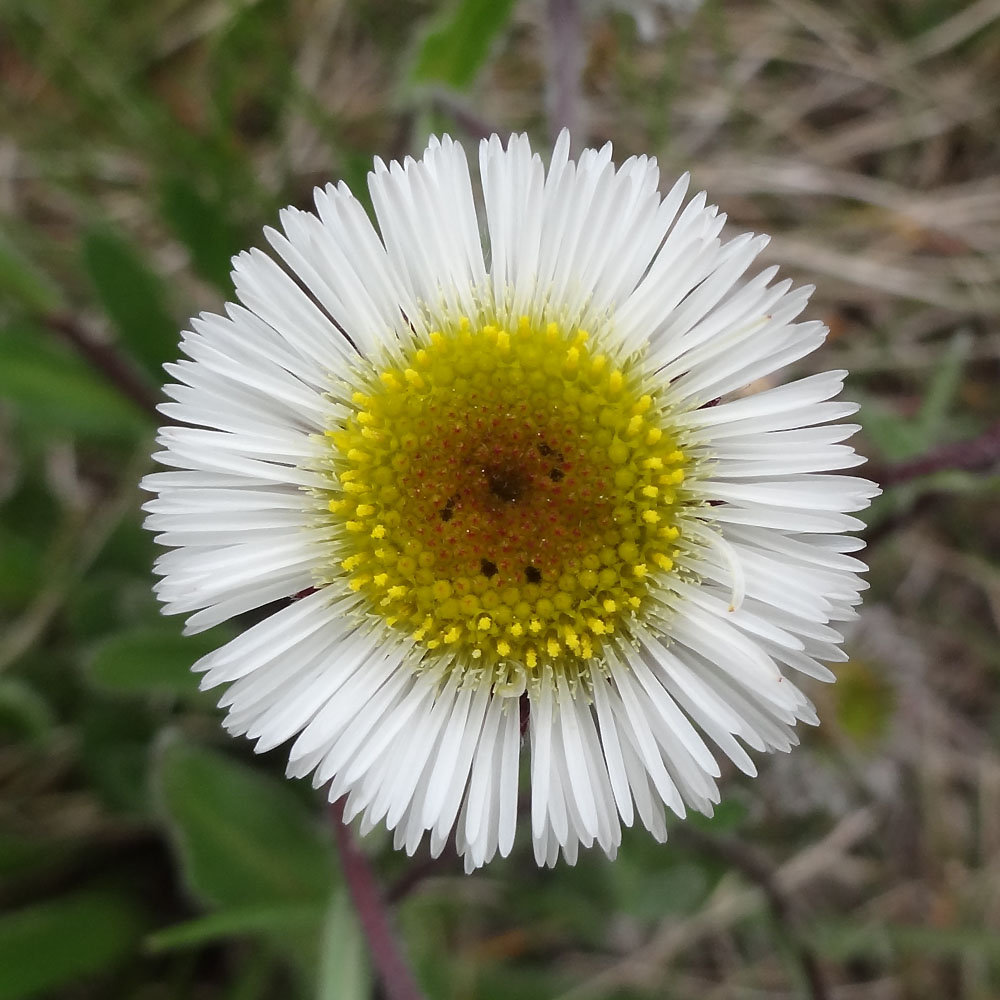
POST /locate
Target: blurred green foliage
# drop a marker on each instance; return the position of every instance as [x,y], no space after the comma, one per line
[59,942]
[132,297]
[143,855]
[453,50]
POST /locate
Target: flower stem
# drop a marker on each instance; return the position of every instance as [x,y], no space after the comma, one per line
[974,454]
[105,358]
[565,65]
[397,978]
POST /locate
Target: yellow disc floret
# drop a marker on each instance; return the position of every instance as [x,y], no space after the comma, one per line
[506,497]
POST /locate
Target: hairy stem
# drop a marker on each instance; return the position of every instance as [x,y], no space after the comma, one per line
[397,978]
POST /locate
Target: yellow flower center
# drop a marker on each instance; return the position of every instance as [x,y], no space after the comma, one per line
[505,497]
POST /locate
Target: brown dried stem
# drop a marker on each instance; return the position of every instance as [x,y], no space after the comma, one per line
[756,867]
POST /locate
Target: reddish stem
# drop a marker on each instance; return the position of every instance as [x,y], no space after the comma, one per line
[397,978]
[972,455]
[115,366]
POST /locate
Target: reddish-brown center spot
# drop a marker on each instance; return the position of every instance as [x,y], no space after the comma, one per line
[516,492]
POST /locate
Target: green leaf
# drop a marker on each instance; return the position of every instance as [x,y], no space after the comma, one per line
[22,282]
[944,387]
[55,390]
[845,940]
[151,660]
[243,838]
[455,49]
[202,227]
[900,436]
[22,569]
[58,943]
[23,710]
[865,702]
[895,436]
[649,895]
[499,980]
[24,855]
[344,973]
[133,298]
[236,922]
[728,817]
[116,748]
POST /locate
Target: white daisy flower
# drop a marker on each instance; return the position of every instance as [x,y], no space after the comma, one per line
[501,462]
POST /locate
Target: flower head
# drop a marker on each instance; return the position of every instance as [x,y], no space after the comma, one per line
[518,494]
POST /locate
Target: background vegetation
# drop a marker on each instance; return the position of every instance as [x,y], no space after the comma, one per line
[143,855]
